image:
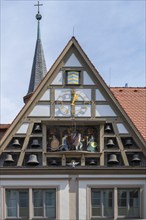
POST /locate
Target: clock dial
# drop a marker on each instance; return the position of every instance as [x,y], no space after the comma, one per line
[75,102]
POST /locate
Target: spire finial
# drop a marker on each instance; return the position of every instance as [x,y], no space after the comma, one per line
[38,17]
[38,4]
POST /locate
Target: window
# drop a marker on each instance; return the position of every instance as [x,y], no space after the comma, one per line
[128,203]
[44,202]
[17,203]
[102,202]
[72,77]
[18,206]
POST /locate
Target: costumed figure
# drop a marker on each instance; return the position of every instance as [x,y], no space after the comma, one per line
[91,144]
[77,141]
[64,145]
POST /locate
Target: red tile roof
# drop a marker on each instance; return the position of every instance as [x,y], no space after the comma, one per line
[4,126]
[133,101]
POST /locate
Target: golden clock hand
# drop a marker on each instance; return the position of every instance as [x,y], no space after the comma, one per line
[75,97]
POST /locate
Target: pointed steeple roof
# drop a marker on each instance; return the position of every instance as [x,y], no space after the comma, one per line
[39,69]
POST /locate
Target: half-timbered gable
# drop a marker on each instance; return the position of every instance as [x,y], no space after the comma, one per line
[72,152]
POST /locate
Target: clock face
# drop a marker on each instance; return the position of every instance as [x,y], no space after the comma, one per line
[73,102]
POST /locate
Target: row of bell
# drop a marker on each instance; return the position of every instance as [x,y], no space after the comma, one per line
[113,159]
[31,161]
[37,129]
[54,162]
[35,143]
[110,142]
[34,161]
[108,129]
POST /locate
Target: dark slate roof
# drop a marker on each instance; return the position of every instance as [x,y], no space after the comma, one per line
[39,69]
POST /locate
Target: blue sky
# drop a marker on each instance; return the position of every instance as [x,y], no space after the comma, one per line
[112,34]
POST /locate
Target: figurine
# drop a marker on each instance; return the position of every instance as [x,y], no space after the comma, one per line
[77,141]
[73,163]
[64,145]
[91,145]
[54,143]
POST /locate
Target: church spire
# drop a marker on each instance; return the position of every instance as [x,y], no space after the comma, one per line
[39,65]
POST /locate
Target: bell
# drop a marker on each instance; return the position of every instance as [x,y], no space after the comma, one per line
[32,160]
[35,143]
[108,128]
[16,143]
[92,162]
[136,158]
[128,142]
[37,128]
[53,162]
[9,158]
[113,159]
[110,143]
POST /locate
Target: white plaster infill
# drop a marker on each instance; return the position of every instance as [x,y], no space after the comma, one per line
[64,177]
[133,176]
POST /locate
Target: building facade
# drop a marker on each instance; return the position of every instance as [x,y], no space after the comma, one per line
[73,152]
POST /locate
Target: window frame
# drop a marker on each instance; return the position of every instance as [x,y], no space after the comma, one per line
[17,203]
[115,200]
[30,201]
[44,203]
[128,202]
[102,205]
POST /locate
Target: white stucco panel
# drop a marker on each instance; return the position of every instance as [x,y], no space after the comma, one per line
[23,128]
[99,96]
[104,110]
[87,79]
[73,61]
[58,79]
[40,111]
[122,129]
[46,96]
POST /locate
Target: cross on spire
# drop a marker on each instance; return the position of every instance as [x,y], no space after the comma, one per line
[38,4]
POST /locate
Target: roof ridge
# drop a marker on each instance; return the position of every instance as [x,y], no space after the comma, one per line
[117,87]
